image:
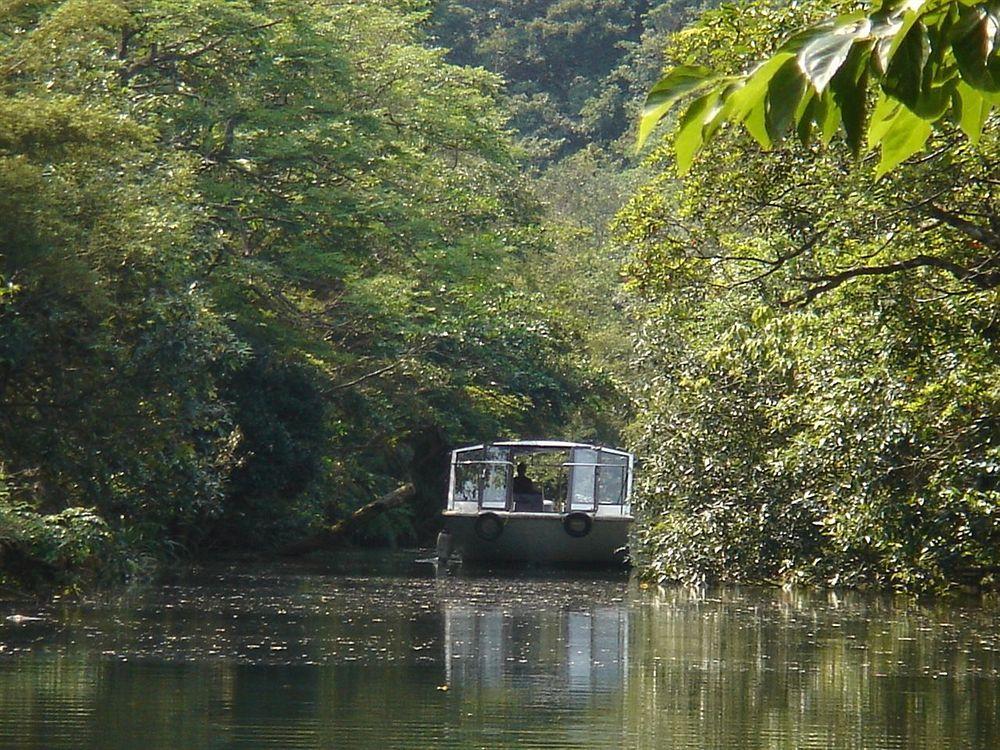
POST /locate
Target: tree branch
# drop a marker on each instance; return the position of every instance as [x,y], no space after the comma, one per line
[156,57]
[828,282]
[966,227]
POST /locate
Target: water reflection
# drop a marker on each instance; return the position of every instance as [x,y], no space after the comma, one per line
[392,657]
[583,651]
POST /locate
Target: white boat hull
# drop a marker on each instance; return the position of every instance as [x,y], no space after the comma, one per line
[538,537]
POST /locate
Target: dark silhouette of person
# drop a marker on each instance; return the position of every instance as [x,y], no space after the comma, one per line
[522,482]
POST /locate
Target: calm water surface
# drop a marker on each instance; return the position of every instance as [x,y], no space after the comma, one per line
[381,653]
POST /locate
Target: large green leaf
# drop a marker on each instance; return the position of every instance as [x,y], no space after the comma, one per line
[900,133]
[784,95]
[824,55]
[910,15]
[690,136]
[917,52]
[805,117]
[850,92]
[757,83]
[975,43]
[756,124]
[973,109]
[827,116]
[885,110]
[681,81]
[905,73]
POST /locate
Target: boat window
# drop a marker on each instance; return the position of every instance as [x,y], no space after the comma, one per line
[581,479]
[611,477]
[467,455]
[496,476]
[563,480]
[548,474]
[467,483]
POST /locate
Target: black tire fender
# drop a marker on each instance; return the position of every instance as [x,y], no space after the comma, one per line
[488,526]
[577,524]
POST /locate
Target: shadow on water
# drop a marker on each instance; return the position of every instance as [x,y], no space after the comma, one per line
[376,650]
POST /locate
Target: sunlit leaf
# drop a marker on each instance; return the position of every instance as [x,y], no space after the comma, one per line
[821,58]
[756,87]
[690,135]
[756,125]
[904,135]
[916,52]
[680,82]
[973,111]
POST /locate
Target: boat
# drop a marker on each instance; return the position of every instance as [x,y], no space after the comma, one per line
[538,501]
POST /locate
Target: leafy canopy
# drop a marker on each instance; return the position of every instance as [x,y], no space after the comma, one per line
[885,77]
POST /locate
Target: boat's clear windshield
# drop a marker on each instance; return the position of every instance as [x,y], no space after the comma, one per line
[534,478]
[496,478]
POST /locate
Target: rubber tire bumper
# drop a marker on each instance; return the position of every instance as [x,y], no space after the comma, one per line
[577,524]
[488,527]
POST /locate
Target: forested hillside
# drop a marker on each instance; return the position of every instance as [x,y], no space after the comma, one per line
[575,70]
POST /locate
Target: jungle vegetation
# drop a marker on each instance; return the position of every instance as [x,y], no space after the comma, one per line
[261,261]
[819,336]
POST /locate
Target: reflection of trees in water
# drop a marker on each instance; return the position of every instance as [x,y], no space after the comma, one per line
[714,671]
[799,668]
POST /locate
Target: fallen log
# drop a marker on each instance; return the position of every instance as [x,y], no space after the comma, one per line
[330,536]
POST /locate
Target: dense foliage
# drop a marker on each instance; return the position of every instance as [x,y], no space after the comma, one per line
[259,261]
[818,361]
[574,68]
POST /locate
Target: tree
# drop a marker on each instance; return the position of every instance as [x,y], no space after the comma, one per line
[815,369]
[260,261]
[573,68]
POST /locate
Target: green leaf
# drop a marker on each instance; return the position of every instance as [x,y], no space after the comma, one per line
[805,117]
[904,76]
[784,95]
[975,42]
[822,57]
[973,110]
[690,136]
[755,124]
[679,82]
[721,110]
[755,90]
[850,92]
[885,110]
[827,117]
[905,134]
[914,51]
[910,17]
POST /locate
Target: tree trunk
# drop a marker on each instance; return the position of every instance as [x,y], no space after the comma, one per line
[335,534]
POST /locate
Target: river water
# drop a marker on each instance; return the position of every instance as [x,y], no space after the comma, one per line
[379,652]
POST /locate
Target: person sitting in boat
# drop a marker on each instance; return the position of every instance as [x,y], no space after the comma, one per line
[522,482]
[526,496]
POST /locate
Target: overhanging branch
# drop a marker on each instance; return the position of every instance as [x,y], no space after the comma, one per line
[980,279]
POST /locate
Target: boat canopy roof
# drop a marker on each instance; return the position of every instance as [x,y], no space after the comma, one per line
[527,446]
